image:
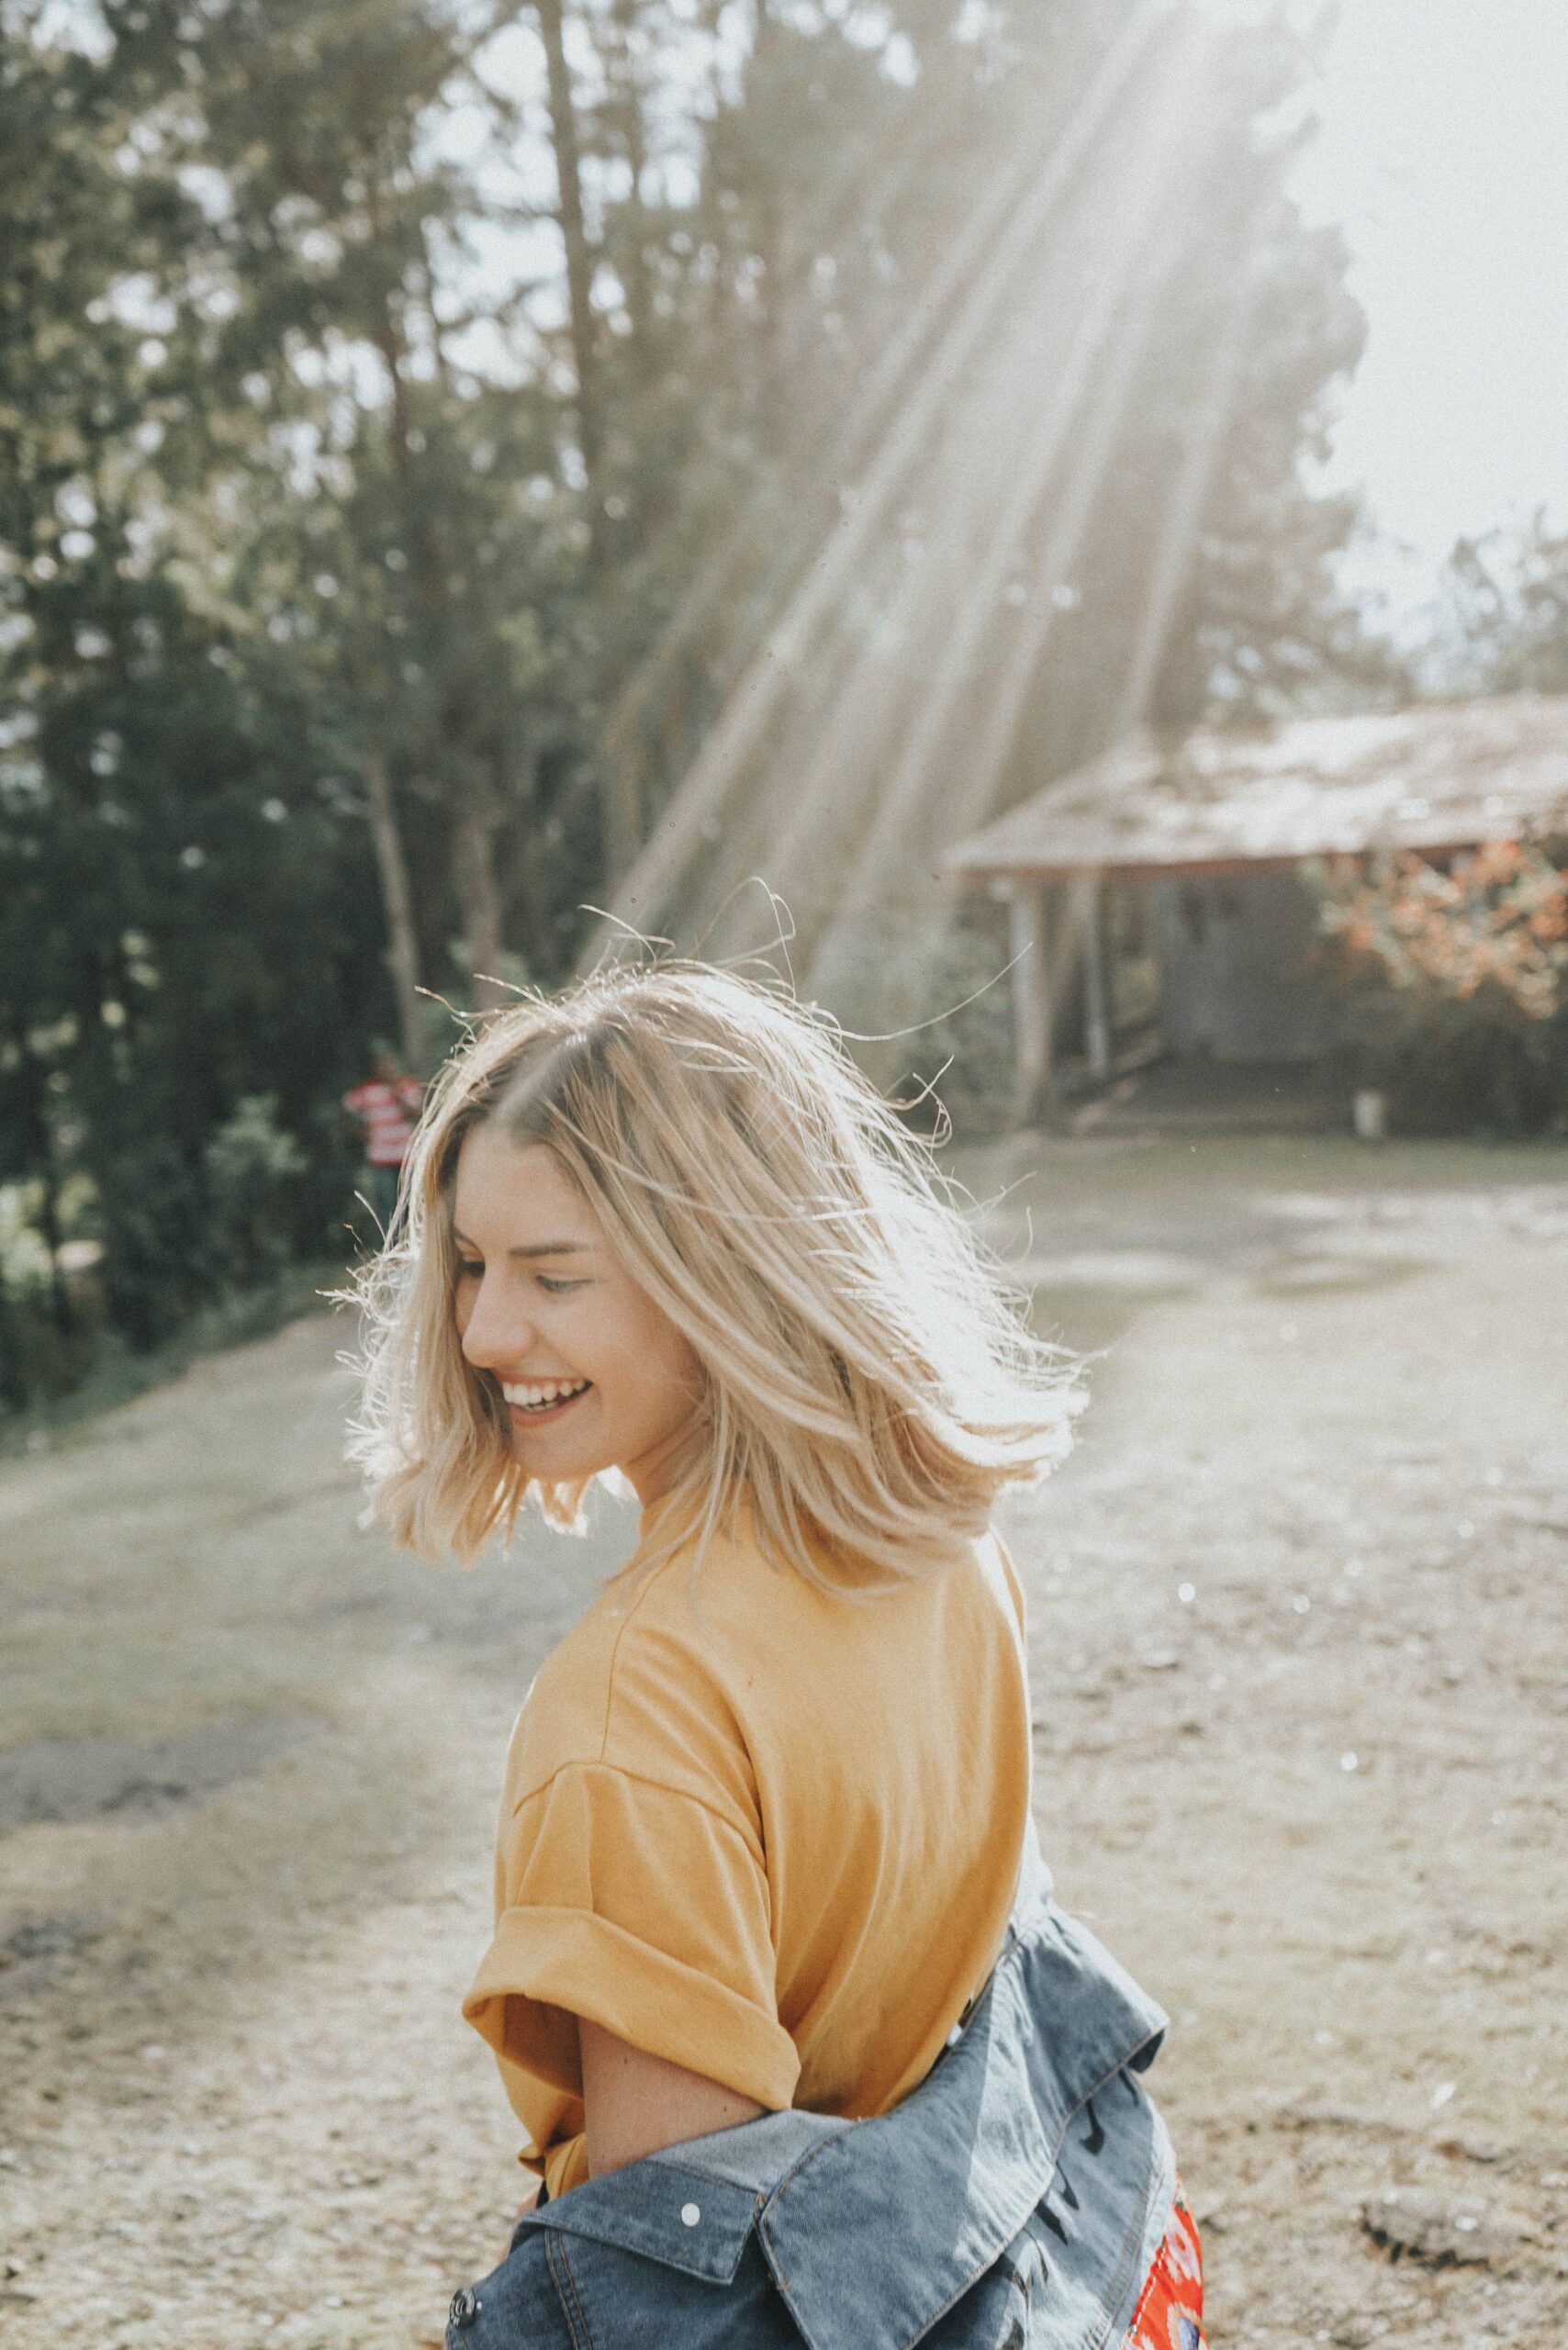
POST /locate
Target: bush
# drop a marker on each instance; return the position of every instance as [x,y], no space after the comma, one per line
[1477,1065]
[178,1233]
[926,1000]
[1456,981]
[151,1214]
[40,1361]
[253,1172]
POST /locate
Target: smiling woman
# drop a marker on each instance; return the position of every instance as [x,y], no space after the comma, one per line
[591,1371]
[765,1866]
[718,1162]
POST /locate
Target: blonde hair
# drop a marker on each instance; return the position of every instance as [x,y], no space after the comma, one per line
[868,1376]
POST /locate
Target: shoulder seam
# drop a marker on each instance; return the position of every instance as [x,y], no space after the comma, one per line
[636,1778]
[648,1583]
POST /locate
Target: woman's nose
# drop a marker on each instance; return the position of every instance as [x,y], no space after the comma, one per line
[496,1332]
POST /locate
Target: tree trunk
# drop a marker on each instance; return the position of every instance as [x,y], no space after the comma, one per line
[622,810]
[473,881]
[13,1381]
[770,387]
[39,1155]
[633,131]
[622,828]
[402,951]
[525,893]
[579,257]
[53,1240]
[391,341]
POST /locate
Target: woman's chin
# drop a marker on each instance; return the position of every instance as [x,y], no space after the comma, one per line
[557,1464]
[556,1461]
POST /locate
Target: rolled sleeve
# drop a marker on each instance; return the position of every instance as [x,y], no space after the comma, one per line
[645,1910]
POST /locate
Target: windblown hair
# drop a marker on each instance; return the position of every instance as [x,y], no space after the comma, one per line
[868,1376]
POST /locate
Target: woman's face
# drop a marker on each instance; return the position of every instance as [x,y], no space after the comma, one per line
[595,1375]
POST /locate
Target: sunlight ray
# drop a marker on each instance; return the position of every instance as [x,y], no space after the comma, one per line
[1100,367]
[701,799]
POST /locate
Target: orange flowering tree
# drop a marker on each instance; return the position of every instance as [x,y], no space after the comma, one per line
[1458,976]
[1497,917]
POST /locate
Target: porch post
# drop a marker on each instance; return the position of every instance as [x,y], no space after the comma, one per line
[1089,891]
[1031,997]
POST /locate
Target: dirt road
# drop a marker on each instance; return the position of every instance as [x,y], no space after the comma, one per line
[1300,1617]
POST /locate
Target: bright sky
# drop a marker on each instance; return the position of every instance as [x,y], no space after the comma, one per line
[1444,152]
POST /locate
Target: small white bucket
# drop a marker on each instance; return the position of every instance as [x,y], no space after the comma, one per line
[1368,1115]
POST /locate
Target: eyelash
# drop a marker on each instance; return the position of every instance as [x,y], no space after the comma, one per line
[556,1287]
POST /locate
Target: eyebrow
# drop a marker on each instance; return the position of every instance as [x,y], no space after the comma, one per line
[538,1248]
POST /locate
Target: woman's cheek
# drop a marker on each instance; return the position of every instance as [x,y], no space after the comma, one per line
[589,1347]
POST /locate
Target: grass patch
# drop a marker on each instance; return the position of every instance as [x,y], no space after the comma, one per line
[118,1375]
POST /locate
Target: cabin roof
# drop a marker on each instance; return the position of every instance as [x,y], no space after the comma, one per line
[1440,775]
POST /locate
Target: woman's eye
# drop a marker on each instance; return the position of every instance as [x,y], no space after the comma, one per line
[556,1286]
[469,1268]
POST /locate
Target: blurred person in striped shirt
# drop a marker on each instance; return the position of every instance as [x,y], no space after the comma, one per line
[386,1109]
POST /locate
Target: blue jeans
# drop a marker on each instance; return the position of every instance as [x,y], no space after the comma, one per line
[381,1190]
[1014,2201]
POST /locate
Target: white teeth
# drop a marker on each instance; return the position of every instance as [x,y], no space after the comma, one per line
[534,1395]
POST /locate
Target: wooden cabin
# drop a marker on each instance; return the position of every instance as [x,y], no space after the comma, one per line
[1196,844]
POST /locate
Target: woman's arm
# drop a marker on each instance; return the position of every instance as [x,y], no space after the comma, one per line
[636,2103]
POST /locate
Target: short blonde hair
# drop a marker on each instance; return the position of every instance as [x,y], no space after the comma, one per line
[868,1376]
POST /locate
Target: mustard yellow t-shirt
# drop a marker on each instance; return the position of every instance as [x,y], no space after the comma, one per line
[766,1831]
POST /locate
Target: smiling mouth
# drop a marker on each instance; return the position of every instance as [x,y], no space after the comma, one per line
[530,1400]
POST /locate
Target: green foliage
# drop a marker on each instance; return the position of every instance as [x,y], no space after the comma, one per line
[40,1363]
[928,1012]
[349,477]
[72,1385]
[1454,1067]
[252,1173]
[47,1336]
[152,1218]
[1465,1021]
[1492,917]
[1503,626]
[1456,981]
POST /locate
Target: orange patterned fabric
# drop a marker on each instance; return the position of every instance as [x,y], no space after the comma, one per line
[1169,2313]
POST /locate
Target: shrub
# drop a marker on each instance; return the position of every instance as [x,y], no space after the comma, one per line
[924,1000]
[1456,978]
[151,1215]
[253,1172]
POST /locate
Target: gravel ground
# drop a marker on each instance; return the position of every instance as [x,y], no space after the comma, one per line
[1299,1608]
